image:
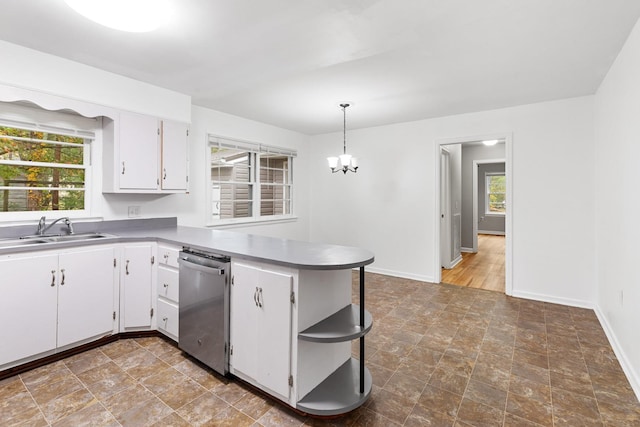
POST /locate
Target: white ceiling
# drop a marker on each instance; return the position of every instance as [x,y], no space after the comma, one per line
[290,62]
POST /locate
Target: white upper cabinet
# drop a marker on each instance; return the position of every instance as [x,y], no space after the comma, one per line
[138,143]
[143,154]
[174,155]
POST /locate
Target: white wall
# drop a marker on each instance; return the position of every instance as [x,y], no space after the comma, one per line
[617,113]
[388,206]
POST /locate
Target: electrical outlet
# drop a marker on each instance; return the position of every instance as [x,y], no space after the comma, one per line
[134,211]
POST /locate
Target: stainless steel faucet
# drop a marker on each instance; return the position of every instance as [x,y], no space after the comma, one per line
[42,227]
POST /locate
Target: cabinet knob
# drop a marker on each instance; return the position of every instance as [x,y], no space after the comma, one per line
[166,285]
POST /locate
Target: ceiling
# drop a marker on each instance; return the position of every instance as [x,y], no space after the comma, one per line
[290,63]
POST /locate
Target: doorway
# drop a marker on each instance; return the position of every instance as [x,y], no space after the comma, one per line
[486,253]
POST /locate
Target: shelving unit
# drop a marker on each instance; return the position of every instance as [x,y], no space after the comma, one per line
[349,386]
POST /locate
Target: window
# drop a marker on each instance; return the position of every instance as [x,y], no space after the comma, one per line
[42,167]
[496,190]
[249,181]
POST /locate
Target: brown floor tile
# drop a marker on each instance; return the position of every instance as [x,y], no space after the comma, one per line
[201,410]
[405,386]
[390,405]
[435,399]
[478,414]
[531,410]
[93,415]
[423,417]
[486,394]
[278,416]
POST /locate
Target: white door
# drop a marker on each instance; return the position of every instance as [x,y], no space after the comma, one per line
[138,145]
[274,338]
[135,273]
[28,307]
[244,320]
[174,155]
[85,295]
[445,209]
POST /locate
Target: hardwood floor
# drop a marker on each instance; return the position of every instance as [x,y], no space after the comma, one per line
[482,270]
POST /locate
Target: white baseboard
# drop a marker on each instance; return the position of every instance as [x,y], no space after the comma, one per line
[401,274]
[495,233]
[627,367]
[456,261]
[466,250]
[555,300]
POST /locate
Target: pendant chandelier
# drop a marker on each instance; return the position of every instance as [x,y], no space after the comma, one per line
[347,162]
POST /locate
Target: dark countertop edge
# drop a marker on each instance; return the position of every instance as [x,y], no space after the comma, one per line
[146,234]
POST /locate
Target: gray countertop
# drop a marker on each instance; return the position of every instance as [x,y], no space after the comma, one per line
[289,253]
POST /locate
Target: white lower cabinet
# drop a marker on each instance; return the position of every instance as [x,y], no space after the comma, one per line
[136,287]
[86,306]
[260,326]
[167,288]
[52,301]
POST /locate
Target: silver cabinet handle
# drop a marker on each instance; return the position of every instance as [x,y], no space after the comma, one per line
[260,297]
[62,271]
[166,285]
[255,296]
[164,171]
[53,278]
[126,268]
[122,168]
[164,319]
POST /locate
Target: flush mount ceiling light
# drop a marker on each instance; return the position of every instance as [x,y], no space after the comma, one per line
[490,142]
[136,16]
[347,162]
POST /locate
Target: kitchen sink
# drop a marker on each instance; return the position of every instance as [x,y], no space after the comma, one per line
[76,237]
[34,240]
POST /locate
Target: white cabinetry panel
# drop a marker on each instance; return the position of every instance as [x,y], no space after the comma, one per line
[85,295]
[136,287]
[28,306]
[261,326]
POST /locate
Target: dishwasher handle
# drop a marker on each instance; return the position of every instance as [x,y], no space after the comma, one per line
[204,268]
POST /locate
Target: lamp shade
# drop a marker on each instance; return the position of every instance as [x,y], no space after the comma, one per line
[333,162]
[345,159]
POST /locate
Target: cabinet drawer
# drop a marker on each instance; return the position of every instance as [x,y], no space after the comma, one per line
[168,255]
[168,283]
[168,318]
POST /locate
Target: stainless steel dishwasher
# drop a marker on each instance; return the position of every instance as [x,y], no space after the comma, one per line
[204,308]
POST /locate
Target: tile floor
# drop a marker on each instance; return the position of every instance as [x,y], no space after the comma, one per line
[440,355]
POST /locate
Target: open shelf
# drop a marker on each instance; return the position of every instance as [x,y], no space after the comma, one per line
[339,392]
[344,325]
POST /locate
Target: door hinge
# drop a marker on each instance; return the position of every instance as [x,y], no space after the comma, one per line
[290,380]
[151,312]
[114,262]
[187,132]
[231,350]
[233,280]
[153,260]
[114,315]
[293,297]
[158,131]
[187,178]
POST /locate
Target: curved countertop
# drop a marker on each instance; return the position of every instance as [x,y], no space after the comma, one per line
[285,252]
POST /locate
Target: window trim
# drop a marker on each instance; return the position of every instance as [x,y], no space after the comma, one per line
[487,212]
[255,149]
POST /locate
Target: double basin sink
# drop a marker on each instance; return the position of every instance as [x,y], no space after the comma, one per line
[35,240]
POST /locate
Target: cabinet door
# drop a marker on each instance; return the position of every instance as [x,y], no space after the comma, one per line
[138,147]
[244,320]
[29,288]
[174,155]
[85,295]
[136,289]
[274,336]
